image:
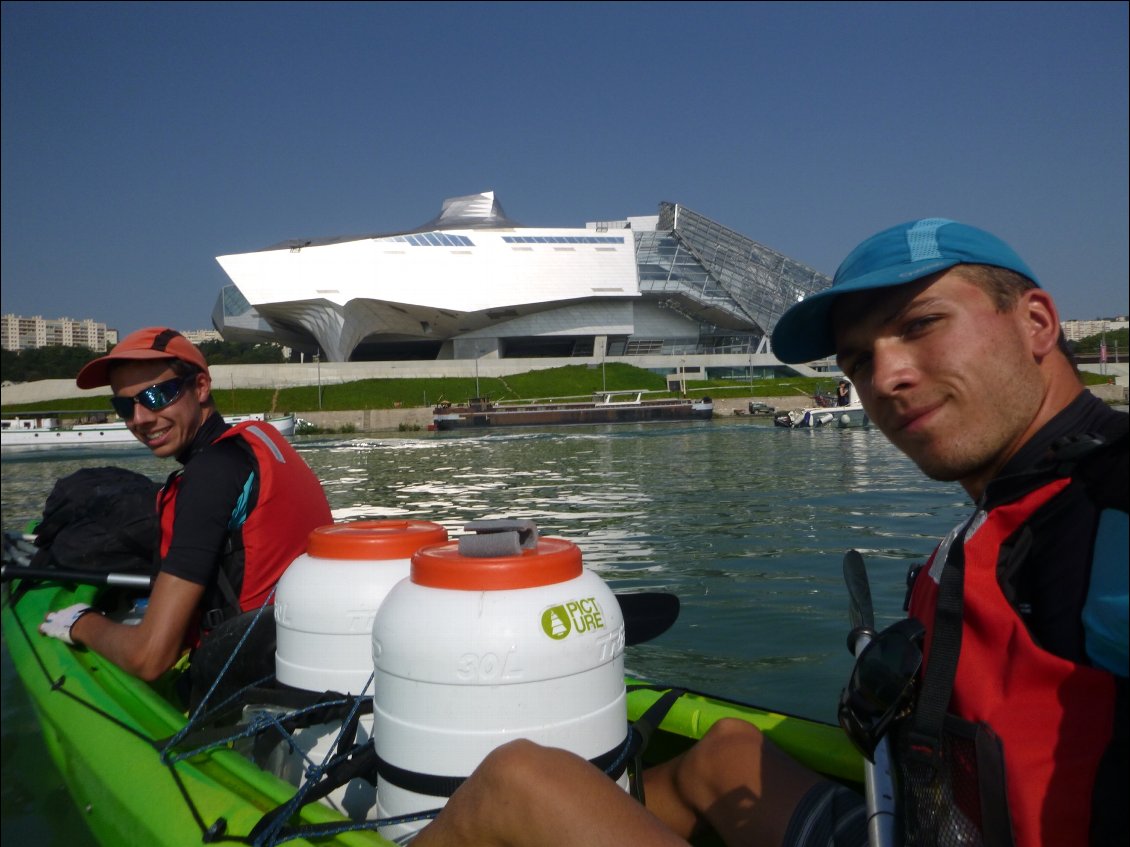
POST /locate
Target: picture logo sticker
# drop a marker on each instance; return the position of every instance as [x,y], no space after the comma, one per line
[576,616]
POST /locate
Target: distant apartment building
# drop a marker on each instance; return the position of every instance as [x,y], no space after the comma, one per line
[198,336]
[23,333]
[1075,330]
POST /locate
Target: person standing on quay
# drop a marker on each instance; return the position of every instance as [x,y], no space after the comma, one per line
[232,518]
[957,356]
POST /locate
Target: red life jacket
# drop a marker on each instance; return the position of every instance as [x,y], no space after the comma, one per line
[1054,718]
[289,506]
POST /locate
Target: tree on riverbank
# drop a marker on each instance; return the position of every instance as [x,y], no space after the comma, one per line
[59,362]
[234,353]
[1116,340]
[55,362]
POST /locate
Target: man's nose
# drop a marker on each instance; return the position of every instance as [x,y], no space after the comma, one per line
[142,415]
[892,368]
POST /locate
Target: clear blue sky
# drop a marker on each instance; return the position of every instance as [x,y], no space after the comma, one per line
[142,140]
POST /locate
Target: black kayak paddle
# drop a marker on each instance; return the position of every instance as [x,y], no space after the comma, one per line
[647,614]
[127,580]
[878,774]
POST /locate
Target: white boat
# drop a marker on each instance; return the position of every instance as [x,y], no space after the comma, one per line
[47,432]
[827,413]
[285,424]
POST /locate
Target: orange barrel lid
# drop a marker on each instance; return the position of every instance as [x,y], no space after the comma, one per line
[553,560]
[378,539]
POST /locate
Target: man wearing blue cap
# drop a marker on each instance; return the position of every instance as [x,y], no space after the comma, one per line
[957,356]
[1018,732]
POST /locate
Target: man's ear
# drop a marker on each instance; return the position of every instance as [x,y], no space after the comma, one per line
[203,387]
[1041,320]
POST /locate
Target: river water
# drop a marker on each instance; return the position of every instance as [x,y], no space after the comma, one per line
[746,522]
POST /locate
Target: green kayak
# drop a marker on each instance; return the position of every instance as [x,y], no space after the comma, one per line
[109,732]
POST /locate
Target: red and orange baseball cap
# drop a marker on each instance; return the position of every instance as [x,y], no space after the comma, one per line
[155,342]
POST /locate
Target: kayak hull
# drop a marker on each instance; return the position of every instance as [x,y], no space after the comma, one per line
[104,730]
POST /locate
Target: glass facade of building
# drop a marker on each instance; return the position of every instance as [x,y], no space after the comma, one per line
[733,287]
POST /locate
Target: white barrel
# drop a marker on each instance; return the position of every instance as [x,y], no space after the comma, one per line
[326,600]
[474,651]
[324,609]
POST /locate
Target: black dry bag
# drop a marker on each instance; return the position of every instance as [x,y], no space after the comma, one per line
[100,519]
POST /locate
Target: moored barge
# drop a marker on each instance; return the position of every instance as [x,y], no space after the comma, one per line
[606,407]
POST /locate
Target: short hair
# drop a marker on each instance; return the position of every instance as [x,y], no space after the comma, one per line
[187,370]
[1004,288]
[184,369]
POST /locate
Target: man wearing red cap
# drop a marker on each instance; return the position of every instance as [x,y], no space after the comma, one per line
[231,519]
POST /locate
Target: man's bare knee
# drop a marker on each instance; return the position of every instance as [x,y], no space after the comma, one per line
[727,737]
[491,803]
[733,754]
[511,766]
[523,767]
[733,730]
[739,782]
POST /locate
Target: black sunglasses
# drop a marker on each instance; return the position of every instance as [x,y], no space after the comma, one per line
[154,398]
[882,683]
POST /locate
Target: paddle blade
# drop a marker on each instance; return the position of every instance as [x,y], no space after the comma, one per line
[647,614]
[860,610]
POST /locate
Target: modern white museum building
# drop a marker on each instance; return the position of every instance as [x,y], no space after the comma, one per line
[659,291]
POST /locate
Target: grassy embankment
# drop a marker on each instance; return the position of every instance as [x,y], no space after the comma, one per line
[573,381]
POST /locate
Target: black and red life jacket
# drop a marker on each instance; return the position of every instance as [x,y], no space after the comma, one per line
[1010,743]
[290,504]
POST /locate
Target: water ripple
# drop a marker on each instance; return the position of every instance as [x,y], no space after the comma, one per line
[746,522]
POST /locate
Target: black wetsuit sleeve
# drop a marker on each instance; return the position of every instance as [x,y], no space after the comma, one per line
[213,483]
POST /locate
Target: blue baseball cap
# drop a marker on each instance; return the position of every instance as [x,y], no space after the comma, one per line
[895,256]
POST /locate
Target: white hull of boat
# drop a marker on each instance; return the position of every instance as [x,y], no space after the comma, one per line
[47,434]
[831,416]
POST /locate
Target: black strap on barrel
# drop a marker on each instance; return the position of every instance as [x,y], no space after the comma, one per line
[642,731]
[612,763]
[363,762]
[358,763]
